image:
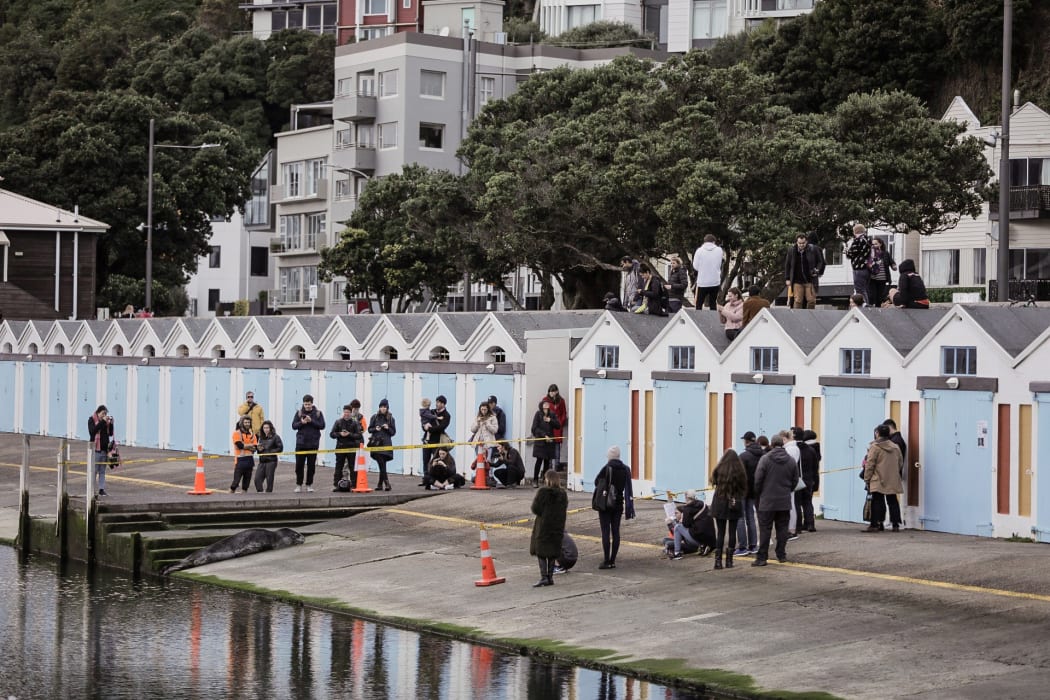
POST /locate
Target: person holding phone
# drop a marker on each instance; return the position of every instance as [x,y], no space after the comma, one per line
[307,424]
[100,430]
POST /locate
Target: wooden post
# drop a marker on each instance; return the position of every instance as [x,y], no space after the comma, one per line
[23,498]
[90,506]
[62,507]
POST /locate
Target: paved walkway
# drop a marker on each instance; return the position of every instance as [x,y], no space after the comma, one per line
[915,614]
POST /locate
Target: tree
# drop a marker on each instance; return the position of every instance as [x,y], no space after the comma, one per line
[602,34]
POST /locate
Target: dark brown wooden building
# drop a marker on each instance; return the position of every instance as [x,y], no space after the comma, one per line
[48,258]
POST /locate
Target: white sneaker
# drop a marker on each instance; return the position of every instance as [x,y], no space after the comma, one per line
[310,489]
[298,489]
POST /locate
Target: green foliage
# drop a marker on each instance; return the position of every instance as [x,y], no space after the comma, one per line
[121,291]
[241,307]
[523,31]
[602,34]
[943,295]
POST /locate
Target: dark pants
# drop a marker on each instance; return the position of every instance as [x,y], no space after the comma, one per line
[862,284]
[767,520]
[610,523]
[428,454]
[707,295]
[381,463]
[310,461]
[878,509]
[878,292]
[720,533]
[242,473]
[265,473]
[804,509]
[344,461]
[542,465]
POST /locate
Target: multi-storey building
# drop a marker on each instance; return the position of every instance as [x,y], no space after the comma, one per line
[269,16]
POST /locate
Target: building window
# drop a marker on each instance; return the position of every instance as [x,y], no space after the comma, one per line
[1029,172]
[149,351]
[339,290]
[765,359]
[388,83]
[406,4]
[368,33]
[366,83]
[344,138]
[181,351]
[439,353]
[375,7]
[580,15]
[486,90]
[293,179]
[315,228]
[709,19]
[388,353]
[388,135]
[608,356]
[431,84]
[959,360]
[834,254]
[980,265]
[291,231]
[215,257]
[344,87]
[497,354]
[940,267]
[213,299]
[316,170]
[1029,263]
[259,264]
[683,357]
[344,189]
[366,136]
[430,136]
[257,213]
[856,361]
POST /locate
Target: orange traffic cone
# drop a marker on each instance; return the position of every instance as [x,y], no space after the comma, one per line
[481,472]
[488,569]
[198,479]
[362,472]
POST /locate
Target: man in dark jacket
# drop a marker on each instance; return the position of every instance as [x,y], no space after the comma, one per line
[438,427]
[747,532]
[620,478]
[809,466]
[898,440]
[307,424]
[775,480]
[858,250]
[501,421]
[677,284]
[803,266]
[348,436]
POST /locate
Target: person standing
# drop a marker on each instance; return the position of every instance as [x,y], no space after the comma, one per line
[544,423]
[747,532]
[348,437]
[307,423]
[803,266]
[501,422]
[483,429]
[245,444]
[859,253]
[707,261]
[382,428]
[619,479]
[881,264]
[882,469]
[733,313]
[900,442]
[270,445]
[754,303]
[100,430]
[550,507]
[560,410]
[252,410]
[436,433]
[677,283]
[652,293]
[809,472]
[775,481]
[727,505]
[631,280]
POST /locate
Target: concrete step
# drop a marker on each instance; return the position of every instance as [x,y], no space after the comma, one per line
[226,518]
[268,523]
[133,526]
[131,516]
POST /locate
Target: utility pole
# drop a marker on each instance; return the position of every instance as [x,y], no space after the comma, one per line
[1003,274]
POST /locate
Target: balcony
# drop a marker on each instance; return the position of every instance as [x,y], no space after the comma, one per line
[1025,203]
[761,9]
[279,195]
[354,156]
[305,244]
[354,108]
[342,209]
[295,296]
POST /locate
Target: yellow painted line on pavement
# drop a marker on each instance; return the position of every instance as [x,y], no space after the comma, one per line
[945,585]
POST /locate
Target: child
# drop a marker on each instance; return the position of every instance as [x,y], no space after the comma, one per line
[427,418]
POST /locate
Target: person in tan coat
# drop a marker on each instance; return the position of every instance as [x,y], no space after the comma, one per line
[882,474]
[753,304]
[252,410]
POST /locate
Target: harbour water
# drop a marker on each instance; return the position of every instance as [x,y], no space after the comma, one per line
[68,633]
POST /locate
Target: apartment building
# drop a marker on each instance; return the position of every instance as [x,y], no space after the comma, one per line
[678,25]
[269,16]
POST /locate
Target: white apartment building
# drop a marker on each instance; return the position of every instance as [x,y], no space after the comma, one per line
[269,16]
[679,25]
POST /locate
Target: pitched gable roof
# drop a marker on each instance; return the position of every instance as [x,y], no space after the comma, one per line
[233,326]
[19,212]
[315,326]
[360,325]
[806,327]
[273,326]
[517,323]
[407,326]
[1014,329]
[462,325]
[162,327]
[641,329]
[196,327]
[904,329]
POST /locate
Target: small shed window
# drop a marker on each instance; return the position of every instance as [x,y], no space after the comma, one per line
[497,354]
[218,351]
[765,359]
[257,352]
[33,348]
[608,356]
[149,351]
[856,361]
[298,352]
[87,350]
[388,353]
[60,349]
[959,360]
[439,353]
[118,351]
[182,351]
[342,353]
[683,357]
[7,347]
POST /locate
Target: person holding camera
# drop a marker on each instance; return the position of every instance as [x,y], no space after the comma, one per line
[245,445]
[100,430]
[441,473]
[348,437]
[307,424]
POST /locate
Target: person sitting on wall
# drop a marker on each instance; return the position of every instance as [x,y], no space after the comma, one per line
[911,294]
[613,303]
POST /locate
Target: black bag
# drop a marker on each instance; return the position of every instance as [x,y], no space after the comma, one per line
[867,508]
[374,441]
[603,499]
[343,486]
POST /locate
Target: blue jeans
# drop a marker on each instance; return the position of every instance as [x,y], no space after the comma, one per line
[101,465]
[681,534]
[746,531]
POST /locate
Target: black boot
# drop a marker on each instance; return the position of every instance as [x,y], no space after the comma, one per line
[729,558]
[545,574]
[718,558]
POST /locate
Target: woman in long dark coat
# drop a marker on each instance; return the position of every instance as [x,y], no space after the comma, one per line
[544,424]
[382,428]
[550,507]
[727,505]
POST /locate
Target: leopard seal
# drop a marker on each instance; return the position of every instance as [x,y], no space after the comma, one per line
[246,542]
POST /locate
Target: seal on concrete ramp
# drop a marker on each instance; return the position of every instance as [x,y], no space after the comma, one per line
[250,541]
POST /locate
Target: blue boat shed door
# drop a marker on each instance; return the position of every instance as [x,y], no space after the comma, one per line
[850,417]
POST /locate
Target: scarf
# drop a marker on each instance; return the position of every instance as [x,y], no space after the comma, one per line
[100,425]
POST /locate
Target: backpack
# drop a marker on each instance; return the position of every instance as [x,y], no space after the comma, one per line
[604,497]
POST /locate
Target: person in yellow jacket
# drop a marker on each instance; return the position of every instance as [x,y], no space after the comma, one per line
[245,445]
[252,410]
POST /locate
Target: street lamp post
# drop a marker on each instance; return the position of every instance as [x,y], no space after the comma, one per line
[149,206]
[1003,267]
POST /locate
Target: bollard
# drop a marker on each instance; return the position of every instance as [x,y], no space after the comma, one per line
[90,507]
[23,498]
[62,507]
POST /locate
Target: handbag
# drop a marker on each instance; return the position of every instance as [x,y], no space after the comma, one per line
[867,508]
[801,482]
[374,441]
[603,499]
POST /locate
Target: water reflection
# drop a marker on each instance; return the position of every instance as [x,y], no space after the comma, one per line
[66,634]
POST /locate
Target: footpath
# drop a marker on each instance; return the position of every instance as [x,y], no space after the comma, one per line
[912,615]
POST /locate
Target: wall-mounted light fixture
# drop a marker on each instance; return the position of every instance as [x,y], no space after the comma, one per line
[490,368]
[602,374]
[293,364]
[214,361]
[384,366]
[144,360]
[952,382]
[83,358]
[29,357]
[758,378]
